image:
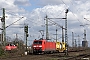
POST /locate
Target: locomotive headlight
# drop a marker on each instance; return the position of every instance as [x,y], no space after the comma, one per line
[34,46]
[40,46]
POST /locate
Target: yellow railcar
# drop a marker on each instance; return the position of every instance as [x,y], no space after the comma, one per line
[60,46]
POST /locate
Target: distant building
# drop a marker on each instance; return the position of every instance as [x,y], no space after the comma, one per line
[84,43]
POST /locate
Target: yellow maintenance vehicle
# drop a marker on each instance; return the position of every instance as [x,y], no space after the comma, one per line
[60,46]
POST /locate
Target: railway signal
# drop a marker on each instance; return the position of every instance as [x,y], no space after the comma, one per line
[2,19]
[26,29]
[26,34]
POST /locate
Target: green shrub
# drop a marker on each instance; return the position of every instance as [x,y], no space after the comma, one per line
[1,52]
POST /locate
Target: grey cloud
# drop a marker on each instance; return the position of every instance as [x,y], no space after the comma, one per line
[22,2]
[54,2]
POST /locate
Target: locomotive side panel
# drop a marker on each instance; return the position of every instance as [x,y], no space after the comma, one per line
[50,46]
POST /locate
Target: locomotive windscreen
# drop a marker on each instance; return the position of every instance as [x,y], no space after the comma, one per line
[37,42]
[9,44]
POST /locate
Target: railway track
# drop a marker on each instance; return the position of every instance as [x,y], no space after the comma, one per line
[77,55]
[73,55]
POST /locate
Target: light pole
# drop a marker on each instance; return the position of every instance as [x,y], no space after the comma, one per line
[66,40]
[47,34]
[84,42]
[46,18]
[3,27]
[72,39]
[84,33]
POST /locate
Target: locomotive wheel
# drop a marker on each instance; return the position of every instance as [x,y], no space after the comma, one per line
[51,52]
[42,52]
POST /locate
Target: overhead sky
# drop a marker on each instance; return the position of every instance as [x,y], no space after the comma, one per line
[34,12]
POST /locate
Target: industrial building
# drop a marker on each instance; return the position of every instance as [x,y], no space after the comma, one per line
[84,43]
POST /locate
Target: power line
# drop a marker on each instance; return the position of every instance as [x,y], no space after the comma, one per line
[64,3]
[71,11]
[86,19]
[14,22]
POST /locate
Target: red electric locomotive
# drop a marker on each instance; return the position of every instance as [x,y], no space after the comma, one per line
[10,47]
[43,46]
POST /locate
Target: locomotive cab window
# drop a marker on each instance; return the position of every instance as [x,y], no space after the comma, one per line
[8,45]
[38,42]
